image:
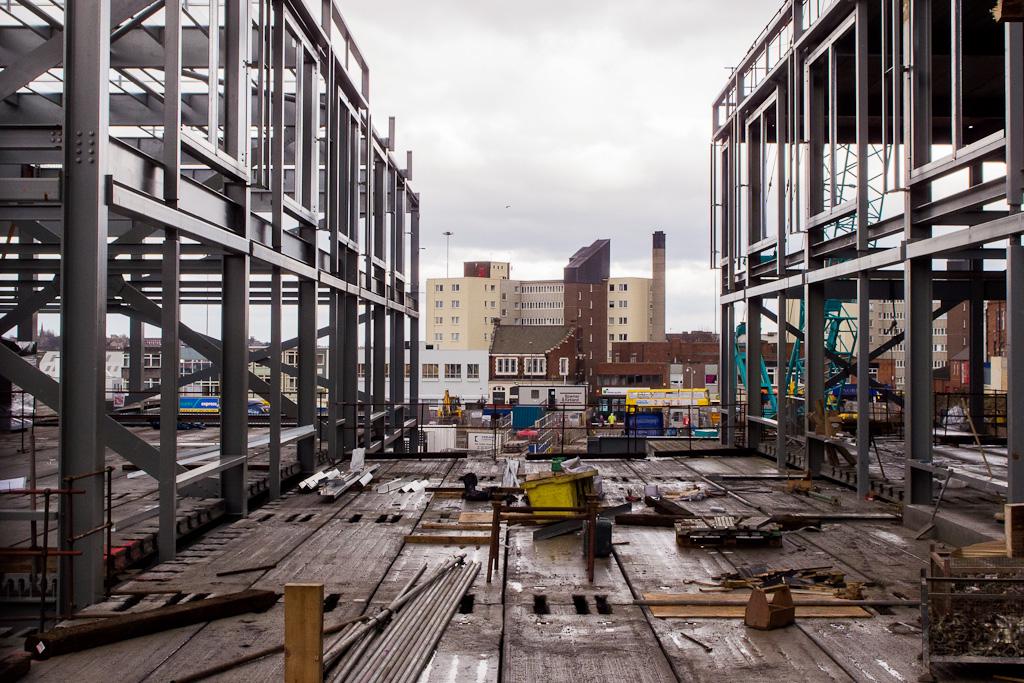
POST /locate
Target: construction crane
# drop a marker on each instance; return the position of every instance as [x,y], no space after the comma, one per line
[840,344]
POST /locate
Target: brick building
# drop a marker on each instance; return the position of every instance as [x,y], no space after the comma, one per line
[524,355]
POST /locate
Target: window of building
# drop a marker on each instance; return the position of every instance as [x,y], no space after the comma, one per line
[438,336]
[536,366]
[452,371]
[611,288]
[624,287]
[151,382]
[455,287]
[506,366]
[430,371]
[623,321]
[472,371]
[151,360]
[623,303]
[408,370]
[611,337]
[438,288]
[611,304]
[360,370]
[438,304]
[623,337]
[439,320]
[611,320]
[455,303]
[455,336]
[455,320]
[563,366]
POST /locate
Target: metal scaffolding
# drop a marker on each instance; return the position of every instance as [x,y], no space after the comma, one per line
[156,154]
[869,150]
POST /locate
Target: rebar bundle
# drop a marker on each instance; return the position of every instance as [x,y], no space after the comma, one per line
[398,643]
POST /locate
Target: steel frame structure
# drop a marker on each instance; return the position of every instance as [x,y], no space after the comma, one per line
[930,100]
[160,153]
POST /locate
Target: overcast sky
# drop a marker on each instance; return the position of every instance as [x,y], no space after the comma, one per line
[587,119]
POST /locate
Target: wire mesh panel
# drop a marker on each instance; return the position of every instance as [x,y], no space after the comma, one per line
[976,615]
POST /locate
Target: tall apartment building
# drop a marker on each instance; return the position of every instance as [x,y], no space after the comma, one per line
[630,310]
[461,311]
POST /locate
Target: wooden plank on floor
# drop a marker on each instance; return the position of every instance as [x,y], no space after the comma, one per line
[736,612]
[447,539]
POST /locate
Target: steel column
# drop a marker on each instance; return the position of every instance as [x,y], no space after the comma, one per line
[84,290]
[727,378]
[234,428]
[814,367]
[167,538]
[753,378]
[307,384]
[781,390]
[863,383]
[1015,373]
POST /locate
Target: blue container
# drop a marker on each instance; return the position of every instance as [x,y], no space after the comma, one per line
[645,424]
[526,416]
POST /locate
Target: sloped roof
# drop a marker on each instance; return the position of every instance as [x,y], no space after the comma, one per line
[525,339]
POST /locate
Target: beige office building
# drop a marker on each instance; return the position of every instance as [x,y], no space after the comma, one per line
[461,311]
[630,309]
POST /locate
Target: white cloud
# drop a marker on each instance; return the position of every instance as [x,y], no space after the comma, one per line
[590,119]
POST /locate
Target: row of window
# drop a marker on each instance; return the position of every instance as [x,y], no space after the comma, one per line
[623,287]
[540,289]
[621,337]
[539,321]
[439,320]
[451,371]
[456,303]
[440,288]
[623,303]
[539,304]
[622,321]
[510,366]
[439,336]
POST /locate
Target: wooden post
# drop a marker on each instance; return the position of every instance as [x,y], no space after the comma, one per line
[303,633]
[494,551]
[1014,524]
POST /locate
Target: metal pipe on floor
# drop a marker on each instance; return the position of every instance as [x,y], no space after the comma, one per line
[351,661]
[385,614]
[414,615]
[408,644]
[431,637]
